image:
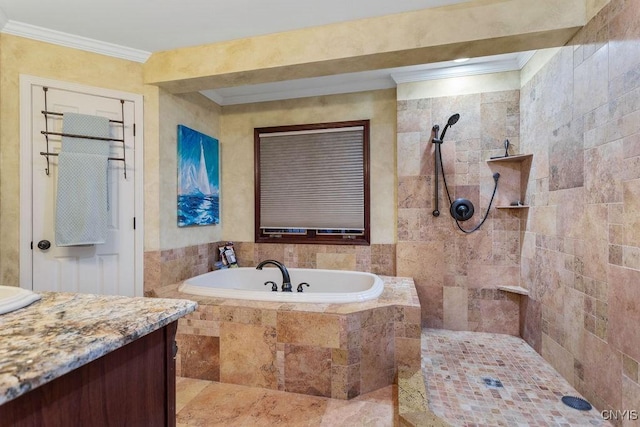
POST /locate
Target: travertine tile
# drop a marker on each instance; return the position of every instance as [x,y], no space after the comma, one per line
[414,192]
[456,363]
[258,333]
[377,360]
[199,356]
[247,355]
[624,315]
[407,353]
[307,370]
[309,329]
[336,261]
[187,389]
[602,370]
[358,413]
[277,408]
[455,308]
[630,399]
[413,120]
[221,404]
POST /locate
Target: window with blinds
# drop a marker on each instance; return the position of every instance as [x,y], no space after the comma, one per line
[312,183]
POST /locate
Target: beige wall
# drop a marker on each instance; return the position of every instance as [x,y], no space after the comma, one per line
[162,113]
[23,56]
[469,29]
[239,121]
[198,113]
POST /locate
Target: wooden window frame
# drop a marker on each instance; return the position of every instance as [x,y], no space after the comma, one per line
[311,237]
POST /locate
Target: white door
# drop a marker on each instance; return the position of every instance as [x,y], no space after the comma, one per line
[102,269]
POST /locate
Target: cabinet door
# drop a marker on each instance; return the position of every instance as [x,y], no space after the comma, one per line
[133,385]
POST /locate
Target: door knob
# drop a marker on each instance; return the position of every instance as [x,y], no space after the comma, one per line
[44,245]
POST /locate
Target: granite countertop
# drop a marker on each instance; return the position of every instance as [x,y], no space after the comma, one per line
[64,331]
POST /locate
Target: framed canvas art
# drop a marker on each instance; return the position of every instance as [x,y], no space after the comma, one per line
[198,178]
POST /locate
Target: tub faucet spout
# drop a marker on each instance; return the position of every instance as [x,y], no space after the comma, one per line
[286,281]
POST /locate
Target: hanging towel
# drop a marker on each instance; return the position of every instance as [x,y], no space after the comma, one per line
[82,200]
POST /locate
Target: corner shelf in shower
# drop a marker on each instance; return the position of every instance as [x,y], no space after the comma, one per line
[514,290]
[518,158]
[513,207]
[514,176]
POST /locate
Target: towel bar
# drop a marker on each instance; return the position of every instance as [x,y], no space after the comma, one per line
[46,134]
[42,153]
[53,113]
[70,135]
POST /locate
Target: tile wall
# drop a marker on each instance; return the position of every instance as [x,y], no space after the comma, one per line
[174,265]
[580,117]
[456,274]
[169,266]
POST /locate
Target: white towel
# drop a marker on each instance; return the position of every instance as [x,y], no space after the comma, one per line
[82,204]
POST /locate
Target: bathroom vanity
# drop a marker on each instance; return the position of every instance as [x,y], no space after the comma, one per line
[79,359]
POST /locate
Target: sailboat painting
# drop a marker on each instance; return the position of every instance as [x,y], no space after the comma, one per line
[198,178]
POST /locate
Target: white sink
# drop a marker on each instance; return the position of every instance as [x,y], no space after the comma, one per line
[13,298]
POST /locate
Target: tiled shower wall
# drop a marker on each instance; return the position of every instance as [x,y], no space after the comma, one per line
[457,274]
[581,250]
[174,265]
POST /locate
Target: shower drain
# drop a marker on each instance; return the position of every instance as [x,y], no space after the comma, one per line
[492,382]
[576,403]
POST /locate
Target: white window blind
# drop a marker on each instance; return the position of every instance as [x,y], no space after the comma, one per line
[312,179]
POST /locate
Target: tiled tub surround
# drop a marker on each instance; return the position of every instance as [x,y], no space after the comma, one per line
[331,350]
[170,266]
[64,331]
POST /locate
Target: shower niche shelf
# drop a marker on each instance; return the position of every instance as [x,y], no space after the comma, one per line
[514,290]
[514,176]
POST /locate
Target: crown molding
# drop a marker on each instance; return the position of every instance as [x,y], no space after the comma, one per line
[456,71]
[364,81]
[525,57]
[281,91]
[77,42]
[213,95]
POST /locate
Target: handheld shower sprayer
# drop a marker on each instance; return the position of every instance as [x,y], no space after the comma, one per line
[460,209]
[452,121]
[438,155]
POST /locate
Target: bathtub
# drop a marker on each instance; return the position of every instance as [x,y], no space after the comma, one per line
[325,286]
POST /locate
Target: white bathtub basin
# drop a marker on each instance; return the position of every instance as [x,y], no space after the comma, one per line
[13,298]
[325,286]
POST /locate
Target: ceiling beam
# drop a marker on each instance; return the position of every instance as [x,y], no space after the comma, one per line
[472,29]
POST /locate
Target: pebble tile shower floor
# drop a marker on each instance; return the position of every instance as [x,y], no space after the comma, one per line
[472,379]
[486,379]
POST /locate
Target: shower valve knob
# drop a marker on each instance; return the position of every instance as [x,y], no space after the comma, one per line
[44,245]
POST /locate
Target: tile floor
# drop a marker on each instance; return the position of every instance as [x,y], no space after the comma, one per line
[206,403]
[461,369]
[455,365]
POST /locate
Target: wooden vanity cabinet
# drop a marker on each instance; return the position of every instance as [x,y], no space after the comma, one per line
[133,385]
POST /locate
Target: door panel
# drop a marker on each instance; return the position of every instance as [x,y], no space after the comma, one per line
[103,269]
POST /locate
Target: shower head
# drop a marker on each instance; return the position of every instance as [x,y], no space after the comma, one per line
[452,121]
